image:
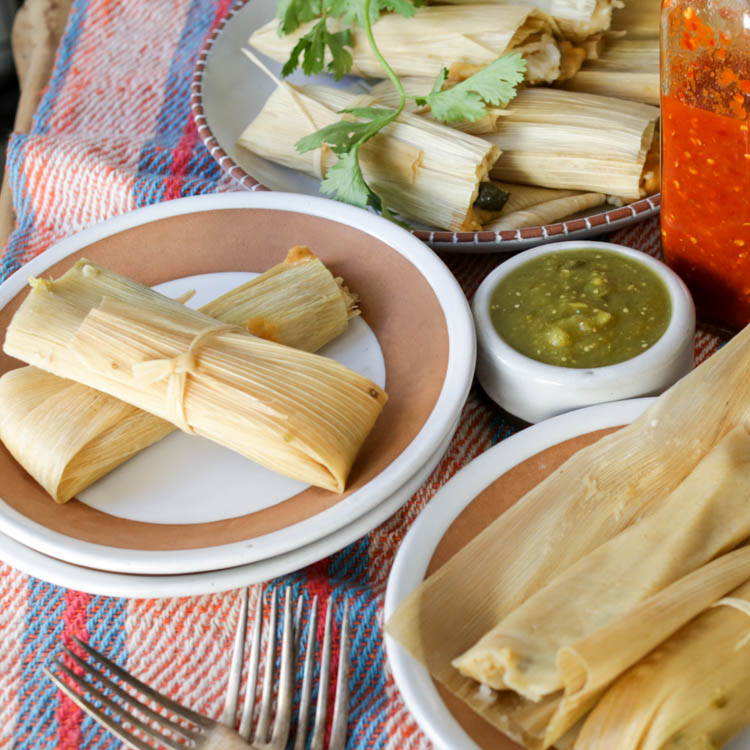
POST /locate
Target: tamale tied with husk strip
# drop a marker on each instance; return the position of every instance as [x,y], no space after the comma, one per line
[690,692]
[67,435]
[439,36]
[592,497]
[297,413]
[423,170]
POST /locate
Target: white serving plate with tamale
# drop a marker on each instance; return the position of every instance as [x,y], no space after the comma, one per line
[463,508]
[228,91]
[186,506]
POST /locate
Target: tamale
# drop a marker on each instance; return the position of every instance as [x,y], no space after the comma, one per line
[576,141]
[628,68]
[705,516]
[67,435]
[297,413]
[423,170]
[529,206]
[690,692]
[438,36]
[564,140]
[578,20]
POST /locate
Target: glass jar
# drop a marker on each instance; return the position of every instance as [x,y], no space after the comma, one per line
[705,113]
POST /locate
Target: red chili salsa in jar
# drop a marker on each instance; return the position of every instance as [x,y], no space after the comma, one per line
[705,113]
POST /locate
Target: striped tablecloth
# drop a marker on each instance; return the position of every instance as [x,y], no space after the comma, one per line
[114,132]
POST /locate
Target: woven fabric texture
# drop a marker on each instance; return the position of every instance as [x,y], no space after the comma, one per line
[114,132]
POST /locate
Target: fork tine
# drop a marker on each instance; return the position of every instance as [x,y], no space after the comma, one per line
[100,677]
[248,705]
[235,670]
[285,695]
[321,707]
[117,729]
[264,720]
[341,701]
[306,689]
[154,695]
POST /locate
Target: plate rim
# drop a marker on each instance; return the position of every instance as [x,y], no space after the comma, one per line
[445,411]
[413,556]
[134,586]
[506,240]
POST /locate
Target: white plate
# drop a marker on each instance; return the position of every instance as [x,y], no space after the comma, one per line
[416,550]
[104,583]
[443,414]
[228,91]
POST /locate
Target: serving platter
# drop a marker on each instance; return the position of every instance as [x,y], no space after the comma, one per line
[476,495]
[212,510]
[228,91]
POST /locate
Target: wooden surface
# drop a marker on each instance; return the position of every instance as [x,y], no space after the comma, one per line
[37,29]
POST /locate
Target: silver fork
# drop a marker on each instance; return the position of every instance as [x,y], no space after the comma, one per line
[290,649]
[144,712]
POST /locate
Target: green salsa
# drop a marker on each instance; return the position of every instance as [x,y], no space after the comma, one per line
[581,308]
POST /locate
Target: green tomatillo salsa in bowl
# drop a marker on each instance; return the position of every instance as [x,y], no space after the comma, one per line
[572,324]
[581,308]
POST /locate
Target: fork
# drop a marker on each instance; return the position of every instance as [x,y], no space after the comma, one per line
[162,719]
[290,649]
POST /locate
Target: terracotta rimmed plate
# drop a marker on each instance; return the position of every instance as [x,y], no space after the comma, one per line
[228,91]
[461,509]
[415,313]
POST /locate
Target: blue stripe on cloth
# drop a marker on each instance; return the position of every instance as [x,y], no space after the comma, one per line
[105,624]
[156,156]
[16,156]
[78,13]
[36,726]
[368,698]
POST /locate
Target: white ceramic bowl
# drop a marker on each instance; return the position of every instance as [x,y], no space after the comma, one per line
[534,391]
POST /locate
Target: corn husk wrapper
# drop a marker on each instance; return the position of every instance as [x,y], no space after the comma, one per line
[530,206]
[441,35]
[297,413]
[67,435]
[423,170]
[578,19]
[704,516]
[560,139]
[627,68]
[592,497]
[690,692]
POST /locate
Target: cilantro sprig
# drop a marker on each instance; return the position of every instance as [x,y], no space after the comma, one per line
[493,85]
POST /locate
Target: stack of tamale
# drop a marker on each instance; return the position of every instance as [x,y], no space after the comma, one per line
[117,366]
[556,152]
[609,607]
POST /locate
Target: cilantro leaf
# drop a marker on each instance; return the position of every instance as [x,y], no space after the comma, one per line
[344,181]
[494,84]
[293,13]
[312,48]
[345,135]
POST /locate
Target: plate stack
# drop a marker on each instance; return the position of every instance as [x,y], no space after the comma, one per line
[186,516]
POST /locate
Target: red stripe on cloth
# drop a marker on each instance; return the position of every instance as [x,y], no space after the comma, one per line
[68,715]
